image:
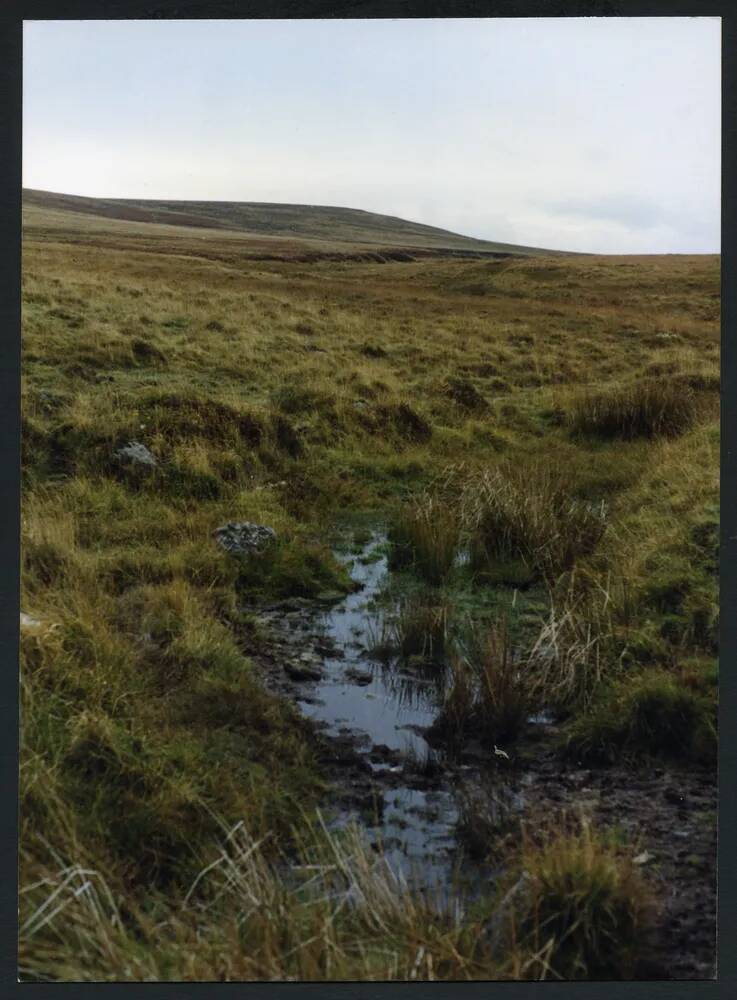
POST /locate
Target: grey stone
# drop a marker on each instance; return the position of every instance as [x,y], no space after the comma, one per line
[136,453]
[243,537]
[330,596]
[302,672]
[359,677]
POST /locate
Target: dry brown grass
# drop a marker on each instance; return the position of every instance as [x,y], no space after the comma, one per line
[530,514]
[135,683]
[643,408]
[580,905]
[342,914]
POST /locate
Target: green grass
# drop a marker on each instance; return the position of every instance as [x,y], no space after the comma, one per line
[288,382]
[643,408]
[651,713]
[581,908]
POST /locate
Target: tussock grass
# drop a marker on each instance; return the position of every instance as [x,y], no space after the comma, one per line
[528,514]
[286,570]
[576,910]
[417,627]
[422,627]
[424,535]
[487,696]
[580,906]
[176,417]
[343,914]
[652,713]
[464,393]
[644,408]
[575,646]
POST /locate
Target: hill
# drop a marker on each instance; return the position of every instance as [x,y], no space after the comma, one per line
[345,225]
[524,450]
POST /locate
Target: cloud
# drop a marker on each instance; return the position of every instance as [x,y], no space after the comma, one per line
[598,134]
[623,209]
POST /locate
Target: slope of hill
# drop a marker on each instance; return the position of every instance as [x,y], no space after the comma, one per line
[348,225]
[540,437]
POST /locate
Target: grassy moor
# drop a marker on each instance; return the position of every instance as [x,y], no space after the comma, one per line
[502,462]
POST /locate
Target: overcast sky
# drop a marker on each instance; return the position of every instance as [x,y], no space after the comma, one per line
[599,134]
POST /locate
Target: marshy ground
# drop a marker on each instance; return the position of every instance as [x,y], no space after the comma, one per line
[517,458]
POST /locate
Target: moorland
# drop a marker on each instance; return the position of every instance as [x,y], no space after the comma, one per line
[530,443]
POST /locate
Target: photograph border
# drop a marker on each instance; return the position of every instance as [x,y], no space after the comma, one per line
[12,13]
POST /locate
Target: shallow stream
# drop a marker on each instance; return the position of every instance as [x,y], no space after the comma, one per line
[374,714]
[388,706]
[384,707]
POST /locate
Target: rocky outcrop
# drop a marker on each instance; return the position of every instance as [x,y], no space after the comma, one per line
[242,538]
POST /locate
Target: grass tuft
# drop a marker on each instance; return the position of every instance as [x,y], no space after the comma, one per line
[653,713]
[643,408]
[487,696]
[424,535]
[528,514]
[581,907]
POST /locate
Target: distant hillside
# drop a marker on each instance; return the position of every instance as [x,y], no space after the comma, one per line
[348,225]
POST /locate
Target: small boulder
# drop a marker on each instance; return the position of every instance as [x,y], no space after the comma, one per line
[382,754]
[136,454]
[242,538]
[302,671]
[360,677]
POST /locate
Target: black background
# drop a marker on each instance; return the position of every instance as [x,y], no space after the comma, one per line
[12,14]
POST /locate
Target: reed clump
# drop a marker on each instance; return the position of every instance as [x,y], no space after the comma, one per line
[487,694]
[528,514]
[424,536]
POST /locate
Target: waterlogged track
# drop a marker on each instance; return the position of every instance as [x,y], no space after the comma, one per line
[370,718]
[388,705]
[376,714]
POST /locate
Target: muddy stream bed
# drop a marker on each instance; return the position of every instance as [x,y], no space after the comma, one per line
[371,719]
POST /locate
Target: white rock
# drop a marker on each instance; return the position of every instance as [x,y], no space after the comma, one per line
[136,453]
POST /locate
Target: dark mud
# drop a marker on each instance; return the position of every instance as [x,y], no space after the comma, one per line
[422,805]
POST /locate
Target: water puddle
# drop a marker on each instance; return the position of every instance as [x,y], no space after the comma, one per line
[433,816]
[380,700]
[384,707]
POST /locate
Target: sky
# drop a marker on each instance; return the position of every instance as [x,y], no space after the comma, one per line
[593,134]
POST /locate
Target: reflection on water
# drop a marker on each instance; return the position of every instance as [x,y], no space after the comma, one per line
[389,699]
[412,691]
[389,702]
